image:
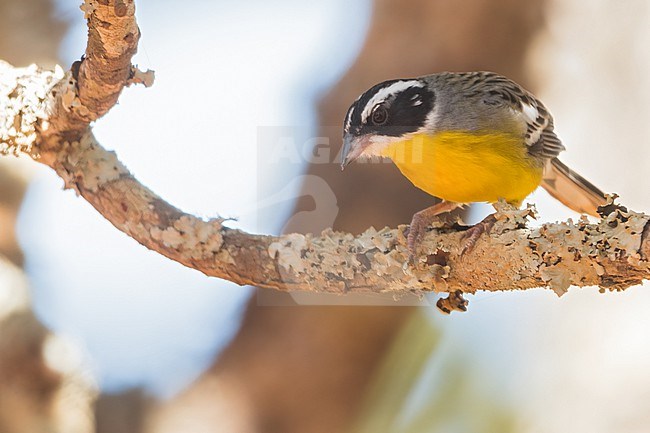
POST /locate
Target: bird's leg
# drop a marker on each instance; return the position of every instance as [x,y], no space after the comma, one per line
[474,233]
[421,220]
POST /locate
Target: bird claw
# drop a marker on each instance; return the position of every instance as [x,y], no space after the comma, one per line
[473,233]
[420,222]
[416,230]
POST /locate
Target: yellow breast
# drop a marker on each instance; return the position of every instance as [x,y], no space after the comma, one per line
[468,167]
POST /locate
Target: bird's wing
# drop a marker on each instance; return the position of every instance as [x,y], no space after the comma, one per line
[498,90]
[540,137]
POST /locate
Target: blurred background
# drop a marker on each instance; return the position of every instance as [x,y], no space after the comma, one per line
[97,334]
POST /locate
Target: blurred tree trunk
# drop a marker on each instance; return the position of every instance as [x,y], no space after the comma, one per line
[13,183]
[305,369]
[28,34]
[37,395]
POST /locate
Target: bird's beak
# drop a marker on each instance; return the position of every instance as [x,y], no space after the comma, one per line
[353,147]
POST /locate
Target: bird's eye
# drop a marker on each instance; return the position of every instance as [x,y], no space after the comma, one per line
[379,115]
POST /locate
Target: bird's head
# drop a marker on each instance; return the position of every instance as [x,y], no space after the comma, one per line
[386,113]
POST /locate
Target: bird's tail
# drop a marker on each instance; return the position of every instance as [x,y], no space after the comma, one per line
[571,189]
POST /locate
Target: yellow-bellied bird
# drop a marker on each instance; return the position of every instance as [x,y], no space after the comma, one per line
[464,137]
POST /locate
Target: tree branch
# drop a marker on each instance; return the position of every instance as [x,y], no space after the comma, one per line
[46,115]
[94,83]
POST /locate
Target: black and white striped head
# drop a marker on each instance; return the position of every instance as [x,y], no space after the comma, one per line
[385,113]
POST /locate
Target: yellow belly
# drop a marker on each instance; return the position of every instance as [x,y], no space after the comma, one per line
[468,167]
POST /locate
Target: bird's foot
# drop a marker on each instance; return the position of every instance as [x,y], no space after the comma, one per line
[474,233]
[419,223]
[417,228]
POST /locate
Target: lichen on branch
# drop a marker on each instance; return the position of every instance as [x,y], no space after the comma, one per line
[25,98]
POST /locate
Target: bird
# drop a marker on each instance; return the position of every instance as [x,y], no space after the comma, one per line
[464,137]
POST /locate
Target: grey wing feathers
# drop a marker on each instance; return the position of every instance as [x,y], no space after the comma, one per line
[540,136]
[495,89]
[548,145]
